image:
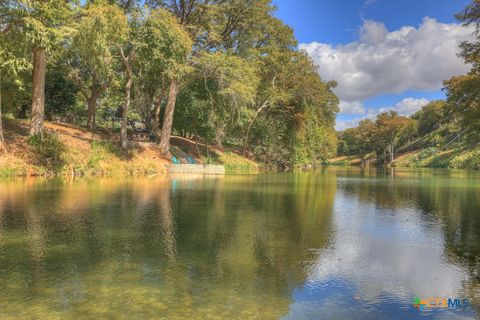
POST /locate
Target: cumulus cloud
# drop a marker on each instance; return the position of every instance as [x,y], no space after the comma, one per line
[368,256]
[351,107]
[341,125]
[407,106]
[383,61]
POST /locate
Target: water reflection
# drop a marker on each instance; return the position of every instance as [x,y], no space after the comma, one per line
[179,247]
[399,234]
[335,244]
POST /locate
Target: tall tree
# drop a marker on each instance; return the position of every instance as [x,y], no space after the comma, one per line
[194,18]
[13,54]
[128,53]
[389,129]
[93,53]
[463,92]
[44,25]
[230,84]
[431,117]
[165,47]
[3,146]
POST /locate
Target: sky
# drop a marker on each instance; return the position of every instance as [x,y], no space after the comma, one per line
[384,54]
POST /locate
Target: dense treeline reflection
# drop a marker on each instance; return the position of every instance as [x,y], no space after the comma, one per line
[181,247]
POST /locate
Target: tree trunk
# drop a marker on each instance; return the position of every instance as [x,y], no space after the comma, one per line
[168,120]
[247,133]
[147,119]
[92,109]
[391,153]
[156,116]
[3,146]
[38,92]
[123,130]
[126,104]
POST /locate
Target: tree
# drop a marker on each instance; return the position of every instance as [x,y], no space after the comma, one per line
[164,49]
[463,101]
[470,50]
[298,93]
[364,135]
[60,94]
[43,24]
[463,92]
[13,56]
[389,134]
[430,117]
[93,52]
[3,146]
[230,85]
[128,54]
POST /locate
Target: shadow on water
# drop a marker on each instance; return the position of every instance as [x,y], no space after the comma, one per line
[179,247]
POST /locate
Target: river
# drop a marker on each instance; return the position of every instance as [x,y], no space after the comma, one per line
[339,243]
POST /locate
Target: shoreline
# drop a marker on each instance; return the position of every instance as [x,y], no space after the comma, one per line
[73,151]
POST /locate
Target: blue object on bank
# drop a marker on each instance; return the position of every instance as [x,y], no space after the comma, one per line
[191,161]
[175,160]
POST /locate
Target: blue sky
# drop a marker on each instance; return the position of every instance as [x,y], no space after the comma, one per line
[385,54]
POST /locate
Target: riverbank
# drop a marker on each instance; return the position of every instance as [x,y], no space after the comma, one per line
[455,158]
[72,150]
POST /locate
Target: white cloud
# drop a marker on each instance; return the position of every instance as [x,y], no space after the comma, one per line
[351,107]
[341,125]
[407,106]
[372,32]
[392,62]
[367,255]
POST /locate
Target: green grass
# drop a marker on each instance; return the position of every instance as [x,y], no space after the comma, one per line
[236,163]
[457,158]
[48,149]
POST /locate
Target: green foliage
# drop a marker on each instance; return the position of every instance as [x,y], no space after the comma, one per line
[391,131]
[163,46]
[315,143]
[271,140]
[60,95]
[233,80]
[359,140]
[235,163]
[242,82]
[193,115]
[431,117]
[467,160]
[44,24]
[93,48]
[49,149]
[102,150]
[424,154]
[463,93]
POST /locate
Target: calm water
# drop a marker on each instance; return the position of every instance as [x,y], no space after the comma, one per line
[336,244]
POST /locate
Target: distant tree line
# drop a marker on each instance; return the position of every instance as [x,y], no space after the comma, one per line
[223,72]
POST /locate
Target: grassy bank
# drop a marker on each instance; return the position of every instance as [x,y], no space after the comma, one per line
[68,150]
[458,158]
[455,158]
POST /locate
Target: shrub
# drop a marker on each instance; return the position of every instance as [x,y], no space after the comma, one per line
[101,150]
[467,160]
[49,149]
